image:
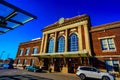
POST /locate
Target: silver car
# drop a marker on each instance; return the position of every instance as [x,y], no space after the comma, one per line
[90,72]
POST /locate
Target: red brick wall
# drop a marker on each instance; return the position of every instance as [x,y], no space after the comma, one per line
[26,45]
[104,33]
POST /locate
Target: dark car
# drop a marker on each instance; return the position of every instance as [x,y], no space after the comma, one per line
[33,68]
[1,64]
[8,66]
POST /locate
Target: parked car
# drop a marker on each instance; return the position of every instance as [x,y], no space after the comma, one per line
[90,72]
[33,68]
[8,66]
[1,64]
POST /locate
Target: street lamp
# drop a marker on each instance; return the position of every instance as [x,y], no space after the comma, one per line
[2,54]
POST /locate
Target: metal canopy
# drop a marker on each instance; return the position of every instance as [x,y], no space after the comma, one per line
[12,17]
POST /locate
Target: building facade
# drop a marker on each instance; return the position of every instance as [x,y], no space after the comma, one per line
[106,42]
[25,50]
[72,42]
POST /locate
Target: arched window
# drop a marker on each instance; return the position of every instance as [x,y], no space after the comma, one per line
[73,42]
[61,44]
[51,45]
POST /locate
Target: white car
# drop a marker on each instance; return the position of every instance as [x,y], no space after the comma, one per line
[90,72]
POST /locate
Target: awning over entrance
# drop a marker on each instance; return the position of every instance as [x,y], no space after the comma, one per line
[65,54]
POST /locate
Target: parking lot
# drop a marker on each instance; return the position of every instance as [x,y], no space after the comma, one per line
[17,74]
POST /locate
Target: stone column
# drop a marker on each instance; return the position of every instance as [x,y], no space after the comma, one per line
[42,44]
[51,65]
[80,38]
[55,42]
[45,44]
[88,62]
[66,40]
[87,38]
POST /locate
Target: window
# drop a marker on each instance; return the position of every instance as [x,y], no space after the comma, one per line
[112,65]
[21,52]
[85,68]
[27,51]
[73,42]
[93,70]
[32,62]
[25,61]
[107,44]
[18,61]
[51,45]
[35,50]
[61,44]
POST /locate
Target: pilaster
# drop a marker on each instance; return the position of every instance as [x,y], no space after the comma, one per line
[87,38]
[80,38]
[55,42]
[42,44]
[45,44]
[66,40]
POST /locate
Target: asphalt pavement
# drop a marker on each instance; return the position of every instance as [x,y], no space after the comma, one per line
[18,74]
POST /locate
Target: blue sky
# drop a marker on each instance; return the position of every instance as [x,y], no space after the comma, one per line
[49,11]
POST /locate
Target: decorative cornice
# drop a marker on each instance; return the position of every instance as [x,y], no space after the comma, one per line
[107,56]
[33,41]
[103,27]
[67,21]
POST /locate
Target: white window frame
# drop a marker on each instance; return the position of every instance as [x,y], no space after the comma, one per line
[22,52]
[33,50]
[18,61]
[27,53]
[25,61]
[33,62]
[108,49]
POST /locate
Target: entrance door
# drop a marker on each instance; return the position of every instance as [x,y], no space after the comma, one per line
[46,64]
[58,64]
[71,66]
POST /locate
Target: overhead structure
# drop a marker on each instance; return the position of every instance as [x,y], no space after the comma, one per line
[12,17]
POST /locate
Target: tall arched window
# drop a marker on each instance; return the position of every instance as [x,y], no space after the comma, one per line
[73,42]
[51,45]
[61,44]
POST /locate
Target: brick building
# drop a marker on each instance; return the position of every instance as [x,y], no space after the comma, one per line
[71,42]
[25,50]
[105,44]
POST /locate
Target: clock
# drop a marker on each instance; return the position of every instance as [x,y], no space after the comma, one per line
[61,20]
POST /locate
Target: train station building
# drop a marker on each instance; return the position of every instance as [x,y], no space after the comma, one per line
[72,42]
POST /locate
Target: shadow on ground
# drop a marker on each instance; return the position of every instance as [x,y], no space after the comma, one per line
[23,77]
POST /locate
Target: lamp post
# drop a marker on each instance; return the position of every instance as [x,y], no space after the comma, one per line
[2,54]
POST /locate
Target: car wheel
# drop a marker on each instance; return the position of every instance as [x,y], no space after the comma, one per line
[34,70]
[105,78]
[82,76]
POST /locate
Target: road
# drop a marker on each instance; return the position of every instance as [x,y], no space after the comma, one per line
[17,74]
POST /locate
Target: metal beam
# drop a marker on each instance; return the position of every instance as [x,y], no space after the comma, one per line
[6,27]
[2,32]
[10,16]
[14,21]
[16,8]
